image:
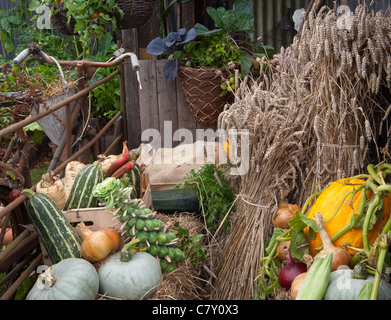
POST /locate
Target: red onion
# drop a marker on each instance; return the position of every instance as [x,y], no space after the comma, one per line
[290,271]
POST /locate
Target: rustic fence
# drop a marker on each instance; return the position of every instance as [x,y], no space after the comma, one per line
[161,105]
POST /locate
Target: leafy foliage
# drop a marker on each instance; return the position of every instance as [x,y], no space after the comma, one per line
[174,42]
[214,193]
[212,51]
[93,18]
[191,246]
[218,48]
[238,19]
[106,99]
[11,21]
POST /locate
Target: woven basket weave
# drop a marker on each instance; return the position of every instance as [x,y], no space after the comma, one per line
[202,89]
[136,13]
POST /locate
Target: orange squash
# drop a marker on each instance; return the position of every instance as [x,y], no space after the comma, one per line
[328,202]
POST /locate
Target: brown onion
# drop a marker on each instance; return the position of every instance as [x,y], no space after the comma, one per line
[296,284]
[340,256]
[284,214]
[97,245]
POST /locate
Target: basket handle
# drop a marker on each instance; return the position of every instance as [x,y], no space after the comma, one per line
[64,83]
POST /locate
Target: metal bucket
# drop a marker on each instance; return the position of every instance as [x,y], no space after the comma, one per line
[54,124]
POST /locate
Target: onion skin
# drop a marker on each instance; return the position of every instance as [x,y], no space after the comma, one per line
[340,256]
[290,271]
[114,236]
[296,284]
[284,214]
[97,245]
[8,236]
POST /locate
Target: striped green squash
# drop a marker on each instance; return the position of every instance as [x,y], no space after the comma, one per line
[81,194]
[133,178]
[58,237]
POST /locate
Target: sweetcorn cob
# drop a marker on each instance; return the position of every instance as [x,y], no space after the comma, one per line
[317,279]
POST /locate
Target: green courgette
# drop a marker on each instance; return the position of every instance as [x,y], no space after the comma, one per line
[175,200]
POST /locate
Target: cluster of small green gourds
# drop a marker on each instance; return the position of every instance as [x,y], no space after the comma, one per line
[139,222]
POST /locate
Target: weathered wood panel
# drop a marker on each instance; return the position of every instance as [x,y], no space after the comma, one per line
[167,104]
[163,107]
[131,111]
[149,111]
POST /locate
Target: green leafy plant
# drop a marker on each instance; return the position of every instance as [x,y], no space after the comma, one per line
[215,194]
[11,21]
[227,47]
[238,19]
[105,98]
[93,18]
[191,246]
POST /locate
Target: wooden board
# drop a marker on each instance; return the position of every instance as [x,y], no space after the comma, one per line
[167,103]
[158,101]
[149,111]
[132,114]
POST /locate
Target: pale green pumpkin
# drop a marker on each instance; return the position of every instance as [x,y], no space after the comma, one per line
[69,279]
[343,286]
[135,279]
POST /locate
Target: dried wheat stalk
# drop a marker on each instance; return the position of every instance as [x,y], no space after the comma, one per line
[312,123]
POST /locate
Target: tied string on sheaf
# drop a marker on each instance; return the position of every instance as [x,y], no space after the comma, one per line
[254,204]
[263,217]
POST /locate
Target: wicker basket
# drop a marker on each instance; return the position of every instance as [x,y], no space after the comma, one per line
[136,13]
[202,91]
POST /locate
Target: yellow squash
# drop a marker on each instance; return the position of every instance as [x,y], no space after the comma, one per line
[327,203]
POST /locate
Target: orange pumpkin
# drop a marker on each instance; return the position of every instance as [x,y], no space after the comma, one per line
[328,202]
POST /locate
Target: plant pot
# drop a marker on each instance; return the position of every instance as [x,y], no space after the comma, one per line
[202,89]
[136,13]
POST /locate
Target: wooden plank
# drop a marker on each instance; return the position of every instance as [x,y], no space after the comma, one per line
[149,112]
[167,103]
[129,40]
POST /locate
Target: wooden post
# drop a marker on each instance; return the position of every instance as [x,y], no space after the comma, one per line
[130,44]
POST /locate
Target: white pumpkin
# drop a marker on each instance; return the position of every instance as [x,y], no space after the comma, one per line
[135,279]
[69,279]
[343,286]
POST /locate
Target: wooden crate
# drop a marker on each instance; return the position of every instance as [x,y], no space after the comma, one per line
[97,218]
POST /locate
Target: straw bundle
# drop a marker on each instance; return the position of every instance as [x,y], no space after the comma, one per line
[184,283]
[312,124]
